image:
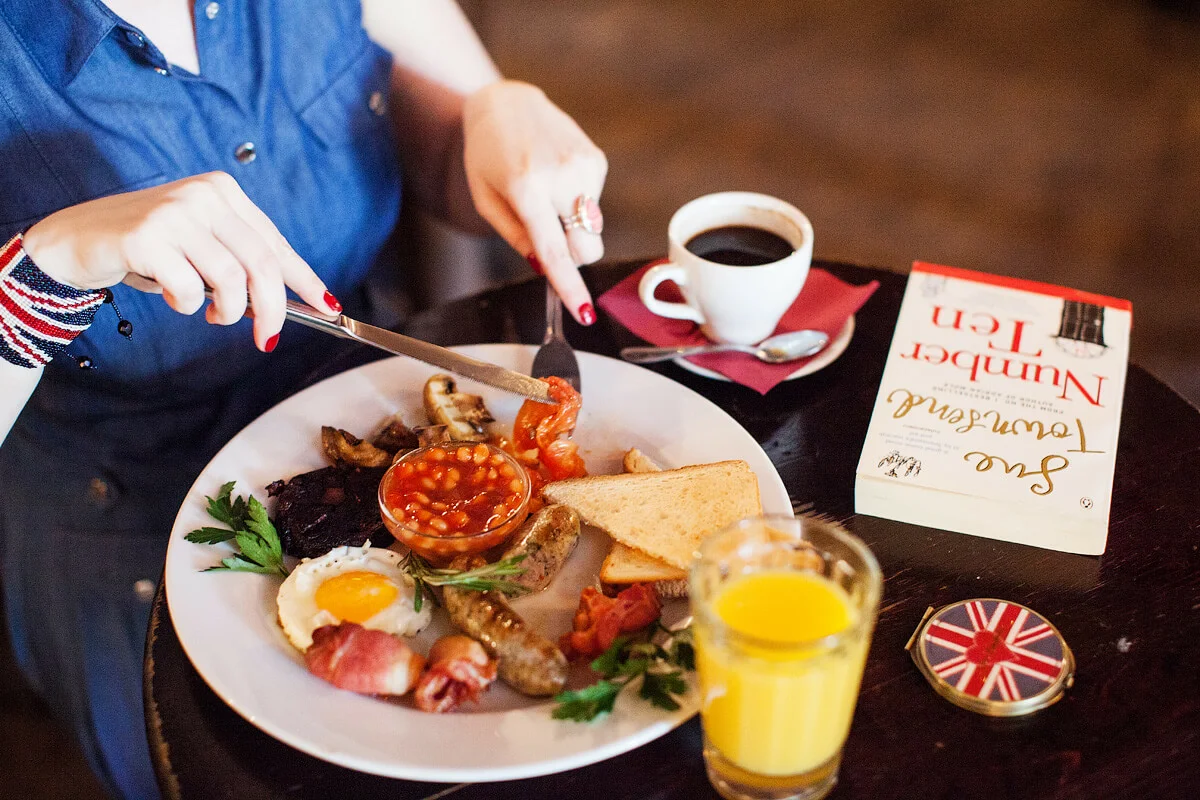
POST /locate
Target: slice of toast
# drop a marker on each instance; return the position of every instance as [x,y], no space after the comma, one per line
[664,514]
[625,565]
[637,461]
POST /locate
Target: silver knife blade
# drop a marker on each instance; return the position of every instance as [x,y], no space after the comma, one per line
[482,371]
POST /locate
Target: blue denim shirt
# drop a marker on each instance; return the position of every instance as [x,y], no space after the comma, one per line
[89,107]
[94,471]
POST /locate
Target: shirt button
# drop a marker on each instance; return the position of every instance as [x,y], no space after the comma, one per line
[144,590]
[161,71]
[102,493]
[99,491]
[212,9]
[245,153]
[377,103]
[135,38]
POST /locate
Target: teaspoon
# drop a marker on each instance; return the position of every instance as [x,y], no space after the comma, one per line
[776,350]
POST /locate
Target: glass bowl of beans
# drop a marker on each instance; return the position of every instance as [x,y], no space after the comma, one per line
[448,499]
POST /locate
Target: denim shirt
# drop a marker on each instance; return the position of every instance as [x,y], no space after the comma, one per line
[89,107]
[290,101]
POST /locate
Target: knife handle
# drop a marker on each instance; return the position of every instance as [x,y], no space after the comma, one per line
[305,315]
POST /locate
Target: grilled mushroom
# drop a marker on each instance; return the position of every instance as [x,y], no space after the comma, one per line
[396,436]
[432,434]
[464,415]
[343,447]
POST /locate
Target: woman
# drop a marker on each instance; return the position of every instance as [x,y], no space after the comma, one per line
[157,147]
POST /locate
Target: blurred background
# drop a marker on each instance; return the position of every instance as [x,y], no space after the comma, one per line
[1057,140]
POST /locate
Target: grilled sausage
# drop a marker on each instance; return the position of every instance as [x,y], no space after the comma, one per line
[546,540]
[529,663]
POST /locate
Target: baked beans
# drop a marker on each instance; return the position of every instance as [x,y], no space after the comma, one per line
[454,498]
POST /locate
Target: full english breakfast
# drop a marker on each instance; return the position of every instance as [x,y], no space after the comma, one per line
[479,517]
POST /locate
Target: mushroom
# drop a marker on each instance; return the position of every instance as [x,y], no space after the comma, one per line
[343,447]
[432,434]
[464,415]
[396,437]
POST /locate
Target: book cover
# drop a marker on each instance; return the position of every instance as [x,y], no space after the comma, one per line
[998,411]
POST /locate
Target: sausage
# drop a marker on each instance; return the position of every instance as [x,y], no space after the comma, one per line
[546,540]
[529,663]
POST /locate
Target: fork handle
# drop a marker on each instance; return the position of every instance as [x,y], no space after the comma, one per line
[554,323]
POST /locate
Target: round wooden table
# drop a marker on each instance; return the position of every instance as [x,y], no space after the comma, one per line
[1128,728]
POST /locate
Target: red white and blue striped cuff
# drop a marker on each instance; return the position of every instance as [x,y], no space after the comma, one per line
[38,315]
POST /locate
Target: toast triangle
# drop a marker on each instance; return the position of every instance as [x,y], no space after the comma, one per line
[664,514]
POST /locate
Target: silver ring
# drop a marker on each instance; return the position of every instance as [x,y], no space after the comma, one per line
[586,216]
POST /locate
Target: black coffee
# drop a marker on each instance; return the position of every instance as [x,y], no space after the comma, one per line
[740,246]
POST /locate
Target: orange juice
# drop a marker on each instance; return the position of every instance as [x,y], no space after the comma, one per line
[777,701]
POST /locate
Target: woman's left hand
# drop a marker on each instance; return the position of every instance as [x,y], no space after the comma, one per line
[527,165]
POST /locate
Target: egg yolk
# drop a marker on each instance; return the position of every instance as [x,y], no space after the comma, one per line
[356,596]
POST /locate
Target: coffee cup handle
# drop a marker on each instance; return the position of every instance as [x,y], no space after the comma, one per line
[650,281]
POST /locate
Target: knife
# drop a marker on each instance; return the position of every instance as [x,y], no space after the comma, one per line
[347,328]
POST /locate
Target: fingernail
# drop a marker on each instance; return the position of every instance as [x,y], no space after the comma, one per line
[270,345]
[534,264]
[332,301]
[587,314]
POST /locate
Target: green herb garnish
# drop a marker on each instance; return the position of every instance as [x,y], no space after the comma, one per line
[488,578]
[249,527]
[660,666]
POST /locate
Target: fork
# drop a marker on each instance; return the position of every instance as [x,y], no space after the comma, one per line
[555,356]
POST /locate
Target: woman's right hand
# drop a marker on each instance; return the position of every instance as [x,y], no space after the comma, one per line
[177,238]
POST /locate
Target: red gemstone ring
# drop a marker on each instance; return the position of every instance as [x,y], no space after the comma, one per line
[587,216]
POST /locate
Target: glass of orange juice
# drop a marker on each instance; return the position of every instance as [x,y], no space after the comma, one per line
[784,610]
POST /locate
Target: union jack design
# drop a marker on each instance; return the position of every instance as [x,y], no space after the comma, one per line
[994,650]
[38,315]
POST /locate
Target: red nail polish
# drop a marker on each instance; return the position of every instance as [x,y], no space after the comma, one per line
[270,345]
[587,314]
[332,301]
[534,264]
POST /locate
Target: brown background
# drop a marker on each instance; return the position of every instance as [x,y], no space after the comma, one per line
[1051,140]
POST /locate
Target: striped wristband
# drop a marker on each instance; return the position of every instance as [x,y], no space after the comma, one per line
[38,315]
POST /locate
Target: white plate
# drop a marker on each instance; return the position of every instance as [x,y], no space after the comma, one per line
[226,621]
[820,361]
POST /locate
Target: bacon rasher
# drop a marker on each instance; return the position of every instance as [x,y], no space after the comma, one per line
[459,670]
[363,660]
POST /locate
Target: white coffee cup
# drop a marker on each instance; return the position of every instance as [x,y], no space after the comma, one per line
[732,303]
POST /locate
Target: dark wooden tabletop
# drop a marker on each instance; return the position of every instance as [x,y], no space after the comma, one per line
[1128,728]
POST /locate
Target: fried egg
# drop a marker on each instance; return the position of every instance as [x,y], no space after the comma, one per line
[349,584]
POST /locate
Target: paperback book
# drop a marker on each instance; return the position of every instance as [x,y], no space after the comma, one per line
[999,410]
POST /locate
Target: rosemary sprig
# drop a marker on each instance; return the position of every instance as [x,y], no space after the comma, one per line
[250,527]
[660,666]
[488,578]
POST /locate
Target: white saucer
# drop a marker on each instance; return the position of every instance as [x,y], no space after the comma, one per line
[818,362]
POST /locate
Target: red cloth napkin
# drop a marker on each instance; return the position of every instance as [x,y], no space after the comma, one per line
[825,303]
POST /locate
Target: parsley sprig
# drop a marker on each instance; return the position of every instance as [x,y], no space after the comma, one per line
[488,578]
[250,527]
[659,665]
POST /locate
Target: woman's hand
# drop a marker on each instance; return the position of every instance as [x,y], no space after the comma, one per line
[177,238]
[527,163]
